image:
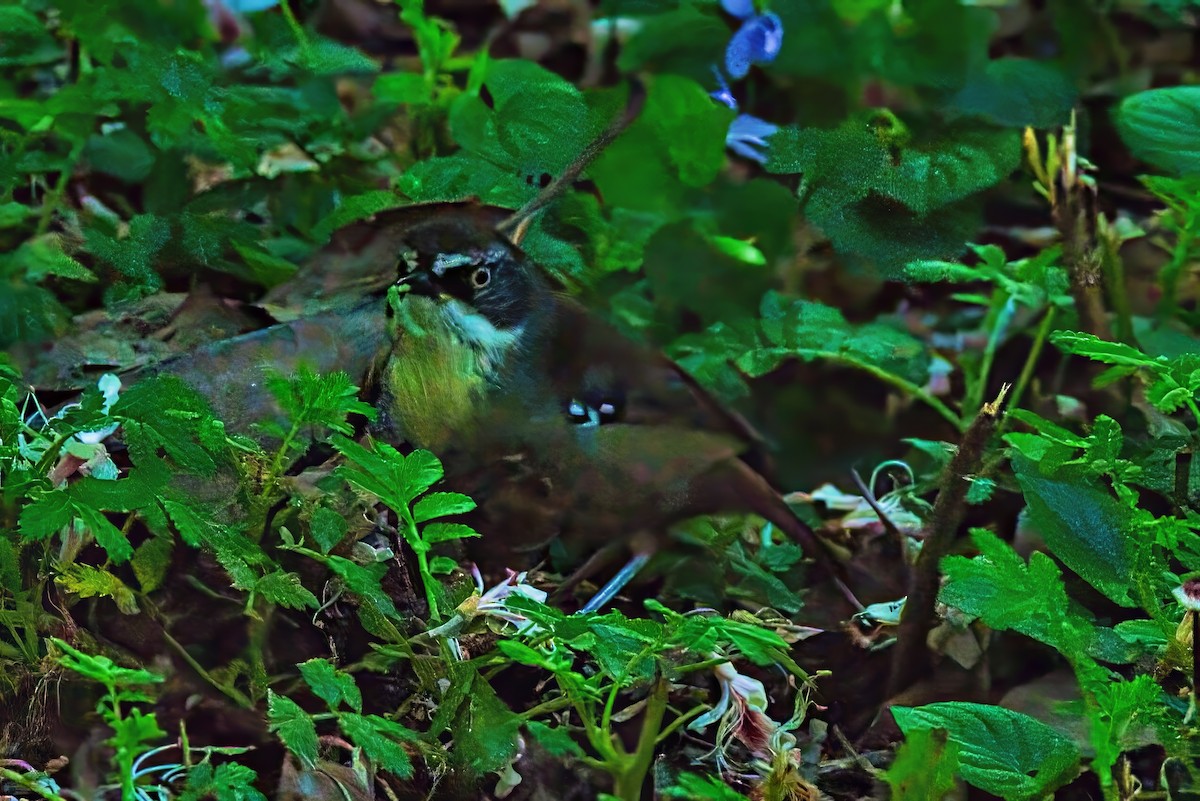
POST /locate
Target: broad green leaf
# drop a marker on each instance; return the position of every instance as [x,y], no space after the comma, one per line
[328,528]
[1159,126]
[925,766]
[998,587]
[1083,525]
[294,727]
[122,154]
[1016,92]
[1000,751]
[485,730]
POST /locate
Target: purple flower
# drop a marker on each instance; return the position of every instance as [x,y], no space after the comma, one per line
[747,134]
[756,42]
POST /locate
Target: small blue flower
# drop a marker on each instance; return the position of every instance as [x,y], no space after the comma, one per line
[747,136]
[757,42]
[723,95]
[742,9]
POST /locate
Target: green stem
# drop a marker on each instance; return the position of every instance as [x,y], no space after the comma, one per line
[32,786]
[231,692]
[995,323]
[1031,360]
[628,783]
[904,384]
[421,549]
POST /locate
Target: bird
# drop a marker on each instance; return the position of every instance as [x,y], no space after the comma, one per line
[558,425]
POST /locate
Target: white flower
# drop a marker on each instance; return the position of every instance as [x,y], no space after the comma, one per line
[741,714]
[493,604]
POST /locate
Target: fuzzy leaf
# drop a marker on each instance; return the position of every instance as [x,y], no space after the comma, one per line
[1000,751]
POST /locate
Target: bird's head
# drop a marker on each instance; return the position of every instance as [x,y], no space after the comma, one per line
[484,287]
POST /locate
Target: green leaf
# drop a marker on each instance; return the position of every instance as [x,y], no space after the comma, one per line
[294,726]
[1118,705]
[161,412]
[108,536]
[328,528]
[441,504]
[925,766]
[229,781]
[556,740]
[1084,527]
[330,684]
[999,588]
[378,738]
[384,472]
[101,668]
[122,154]
[151,560]
[1000,751]
[694,787]
[444,532]
[1016,92]
[364,581]
[93,582]
[284,588]
[485,731]
[1101,350]
[324,401]
[1159,126]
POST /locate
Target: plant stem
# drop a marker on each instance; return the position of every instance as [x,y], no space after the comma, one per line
[900,383]
[911,659]
[1031,360]
[628,783]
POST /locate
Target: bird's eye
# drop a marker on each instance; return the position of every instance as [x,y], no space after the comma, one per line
[481,277]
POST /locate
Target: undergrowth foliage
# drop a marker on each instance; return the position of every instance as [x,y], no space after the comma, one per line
[170,172]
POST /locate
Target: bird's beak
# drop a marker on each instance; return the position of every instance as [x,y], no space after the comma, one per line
[418,283]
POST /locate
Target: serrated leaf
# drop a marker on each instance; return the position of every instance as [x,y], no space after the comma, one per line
[441,504]
[1118,705]
[1084,527]
[556,740]
[378,738]
[327,527]
[444,532]
[1100,350]
[364,581]
[294,726]
[93,582]
[108,536]
[485,731]
[284,589]
[1000,751]
[330,684]
[229,781]
[998,587]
